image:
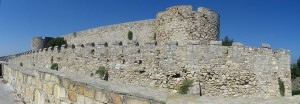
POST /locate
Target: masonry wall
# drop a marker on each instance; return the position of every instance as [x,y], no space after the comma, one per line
[142,31]
[216,70]
[45,86]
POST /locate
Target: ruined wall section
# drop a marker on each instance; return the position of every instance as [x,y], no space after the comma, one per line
[182,24]
[142,31]
[216,70]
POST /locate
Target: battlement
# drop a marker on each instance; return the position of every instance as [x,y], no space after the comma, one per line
[179,44]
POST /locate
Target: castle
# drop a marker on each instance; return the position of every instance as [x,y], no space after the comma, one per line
[179,44]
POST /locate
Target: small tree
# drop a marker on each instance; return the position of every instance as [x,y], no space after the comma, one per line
[57,42]
[185,86]
[130,35]
[54,66]
[227,41]
[281,87]
[103,74]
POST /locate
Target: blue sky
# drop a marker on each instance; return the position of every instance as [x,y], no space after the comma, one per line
[250,22]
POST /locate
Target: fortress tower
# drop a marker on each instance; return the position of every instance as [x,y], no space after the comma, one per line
[182,24]
[37,43]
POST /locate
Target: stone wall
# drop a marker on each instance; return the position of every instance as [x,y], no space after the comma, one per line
[216,70]
[45,86]
[142,31]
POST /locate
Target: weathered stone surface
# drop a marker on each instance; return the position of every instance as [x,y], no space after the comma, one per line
[136,101]
[72,96]
[89,92]
[116,99]
[102,97]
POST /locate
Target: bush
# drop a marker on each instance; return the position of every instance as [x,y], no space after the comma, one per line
[227,41]
[54,66]
[130,35]
[56,42]
[74,34]
[185,86]
[281,87]
[296,92]
[295,69]
[21,64]
[103,73]
[154,37]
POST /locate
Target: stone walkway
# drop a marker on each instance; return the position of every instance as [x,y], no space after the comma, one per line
[7,95]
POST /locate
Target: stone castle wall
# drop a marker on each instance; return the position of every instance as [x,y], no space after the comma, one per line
[216,70]
[45,86]
[179,44]
[142,31]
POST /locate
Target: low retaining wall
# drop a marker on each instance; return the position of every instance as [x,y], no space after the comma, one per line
[41,85]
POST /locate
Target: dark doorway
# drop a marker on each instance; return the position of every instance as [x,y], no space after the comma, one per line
[1,74]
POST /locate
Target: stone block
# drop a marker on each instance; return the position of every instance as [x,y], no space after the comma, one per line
[136,101]
[54,79]
[237,44]
[72,96]
[65,83]
[56,91]
[38,84]
[47,77]
[80,89]
[216,43]
[88,100]
[116,99]
[49,87]
[102,97]
[80,99]
[89,92]
[265,45]
[72,87]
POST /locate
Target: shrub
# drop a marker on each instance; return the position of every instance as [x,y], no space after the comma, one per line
[103,73]
[74,34]
[281,87]
[227,41]
[185,86]
[21,64]
[54,66]
[130,35]
[56,42]
[154,37]
[296,92]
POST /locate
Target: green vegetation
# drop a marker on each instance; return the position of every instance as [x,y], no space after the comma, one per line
[154,37]
[130,35]
[103,73]
[21,64]
[56,42]
[74,34]
[296,92]
[227,41]
[281,87]
[184,88]
[54,66]
[295,69]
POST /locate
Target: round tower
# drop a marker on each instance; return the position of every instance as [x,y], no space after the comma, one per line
[37,43]
[182,24]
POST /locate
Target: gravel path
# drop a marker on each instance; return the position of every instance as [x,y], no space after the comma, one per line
[7,95]
[178,99]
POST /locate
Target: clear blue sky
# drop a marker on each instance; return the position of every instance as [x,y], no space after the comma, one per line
[251,22]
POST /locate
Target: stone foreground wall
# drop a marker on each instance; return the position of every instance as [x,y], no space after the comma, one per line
[216,70]
[44,86]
